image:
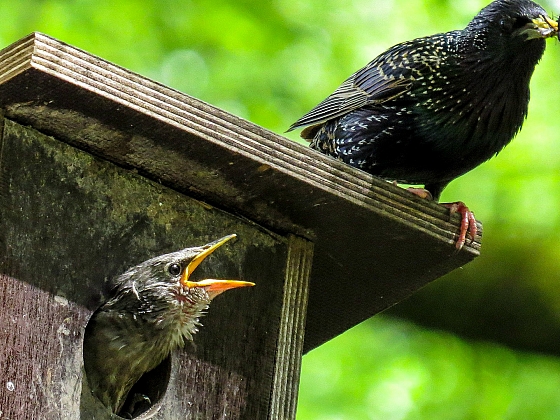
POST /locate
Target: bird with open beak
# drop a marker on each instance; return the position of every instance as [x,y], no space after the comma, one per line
[153,309]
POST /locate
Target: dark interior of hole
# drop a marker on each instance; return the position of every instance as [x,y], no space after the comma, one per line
[148,391]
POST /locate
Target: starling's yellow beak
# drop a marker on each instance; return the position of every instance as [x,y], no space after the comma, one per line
[541,27]
[211,285]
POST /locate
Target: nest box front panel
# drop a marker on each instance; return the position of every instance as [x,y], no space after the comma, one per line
[69,222]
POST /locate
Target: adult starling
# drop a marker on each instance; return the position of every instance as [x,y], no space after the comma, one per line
[429,110]
[153,309]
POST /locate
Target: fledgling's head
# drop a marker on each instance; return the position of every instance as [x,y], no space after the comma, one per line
[161,293]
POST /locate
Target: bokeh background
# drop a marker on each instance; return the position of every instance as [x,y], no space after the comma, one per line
[480,343]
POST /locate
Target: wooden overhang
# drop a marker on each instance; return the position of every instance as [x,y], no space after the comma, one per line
[374,243]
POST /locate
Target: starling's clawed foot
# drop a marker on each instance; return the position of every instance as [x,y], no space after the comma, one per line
[468,222]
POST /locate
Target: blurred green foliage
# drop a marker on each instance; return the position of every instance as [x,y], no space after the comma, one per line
[393,370]
[270,62]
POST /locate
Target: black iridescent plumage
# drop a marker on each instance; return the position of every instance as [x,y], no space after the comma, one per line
[429,110]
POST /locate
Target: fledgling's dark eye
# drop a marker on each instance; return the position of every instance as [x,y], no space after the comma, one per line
[174,269]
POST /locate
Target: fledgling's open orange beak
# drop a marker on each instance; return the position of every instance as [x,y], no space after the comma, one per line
[213,286]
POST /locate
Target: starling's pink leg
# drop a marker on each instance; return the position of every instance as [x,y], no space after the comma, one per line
[468,222]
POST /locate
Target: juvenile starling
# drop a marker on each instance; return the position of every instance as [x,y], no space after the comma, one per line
[429,110]
[154,308]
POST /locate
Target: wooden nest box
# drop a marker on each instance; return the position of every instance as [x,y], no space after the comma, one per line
[101,169]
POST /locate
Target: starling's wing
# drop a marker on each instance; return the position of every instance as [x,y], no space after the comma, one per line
[384,78]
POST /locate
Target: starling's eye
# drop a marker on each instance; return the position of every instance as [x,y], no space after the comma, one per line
[174,269]
[510,24]
[507,23]
[520,22]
